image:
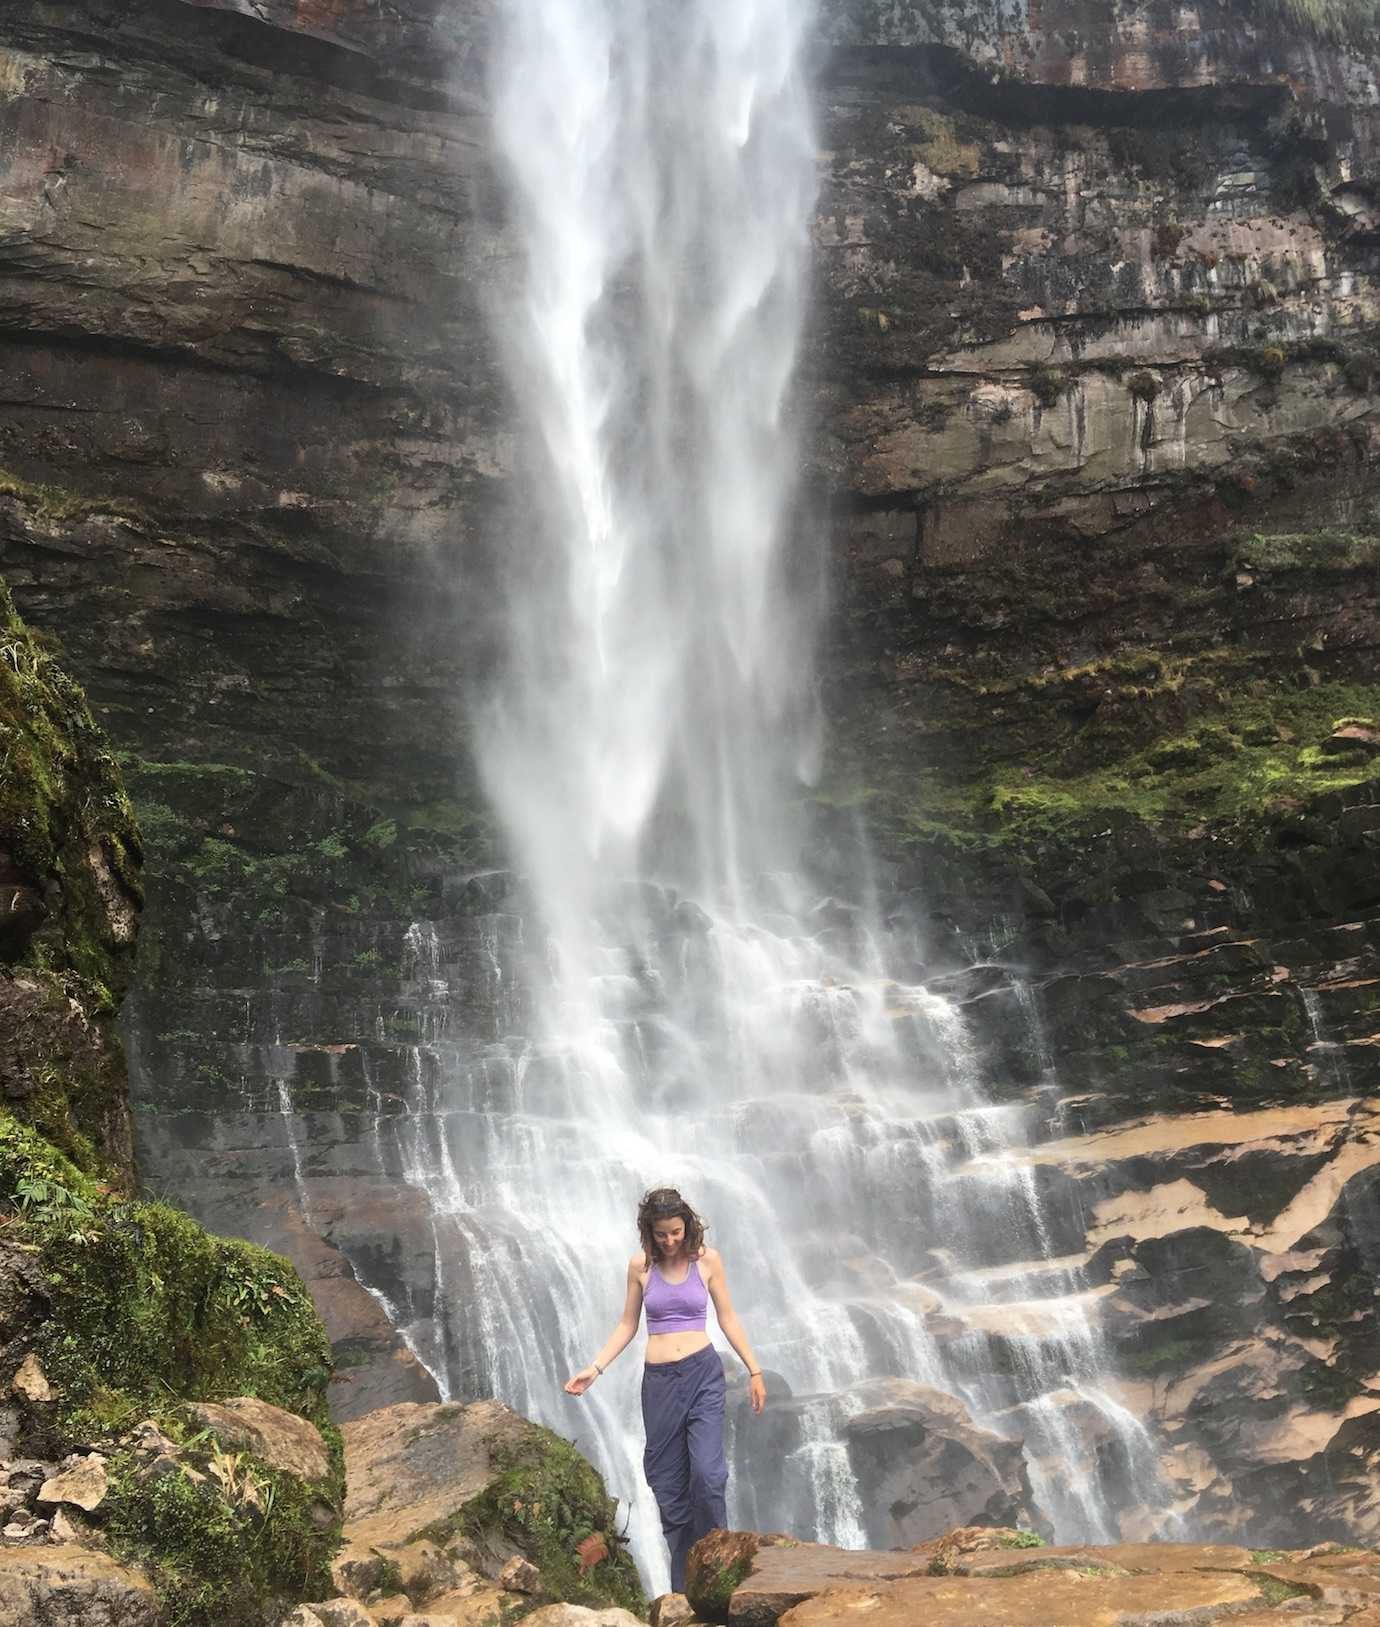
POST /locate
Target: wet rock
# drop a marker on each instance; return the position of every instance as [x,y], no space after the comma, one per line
[923,1466]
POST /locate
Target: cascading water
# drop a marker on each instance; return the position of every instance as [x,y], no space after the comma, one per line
[675,1003]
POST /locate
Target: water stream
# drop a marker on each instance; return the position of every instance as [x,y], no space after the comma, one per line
[676,1002]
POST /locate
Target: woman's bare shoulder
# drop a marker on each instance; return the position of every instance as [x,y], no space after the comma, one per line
[637,1264]
[711,1257]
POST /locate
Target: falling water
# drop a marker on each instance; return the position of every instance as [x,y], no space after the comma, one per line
[676,1003]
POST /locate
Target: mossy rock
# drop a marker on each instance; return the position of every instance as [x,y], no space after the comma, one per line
[67,829]
[132,1308]
[542,1501]
[69,902]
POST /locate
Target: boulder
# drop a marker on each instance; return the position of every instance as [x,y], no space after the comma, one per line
[923,1466]
[282,1439]
[467,1513]
[752,1578]
[31,1382]
[416,1463]
[671,1610]
[1037,1599]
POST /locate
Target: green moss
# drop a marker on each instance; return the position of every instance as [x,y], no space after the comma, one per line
[1308,551]
[1254,766]
[1169,1353]
[57,503]
[1273,1591]
[726,1581]
[544,1500]
[1267,1556]
[145,1309]
[64,815]
[146,1304]
[231,1548]
[1021,1539]
[1047,384]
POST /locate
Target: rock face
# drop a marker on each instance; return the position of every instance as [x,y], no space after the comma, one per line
[922,1465]
[1092,380]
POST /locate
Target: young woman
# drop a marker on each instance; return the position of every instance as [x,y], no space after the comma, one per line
[675,1276]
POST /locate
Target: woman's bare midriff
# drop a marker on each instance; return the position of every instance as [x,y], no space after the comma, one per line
[663,1347]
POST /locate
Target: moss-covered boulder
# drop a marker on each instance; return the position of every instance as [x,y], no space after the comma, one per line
[446,1500]
[119,1318]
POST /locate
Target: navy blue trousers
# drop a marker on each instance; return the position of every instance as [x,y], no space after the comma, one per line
[683,1414]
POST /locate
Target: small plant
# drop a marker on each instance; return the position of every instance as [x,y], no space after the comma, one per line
[1144,386]
[1047,384]
[48,1204]
[1269,362]
[1023,1539]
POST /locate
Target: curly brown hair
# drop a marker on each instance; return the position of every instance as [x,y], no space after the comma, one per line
[665,1203]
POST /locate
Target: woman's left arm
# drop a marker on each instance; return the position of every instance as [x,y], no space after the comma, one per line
[733,1328]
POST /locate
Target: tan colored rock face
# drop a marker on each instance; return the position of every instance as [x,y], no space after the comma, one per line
[1057,1599]
[283,1440]
[410,1465]
[72,1587]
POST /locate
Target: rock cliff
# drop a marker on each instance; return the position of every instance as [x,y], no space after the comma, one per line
[138,1479]
[1091,396]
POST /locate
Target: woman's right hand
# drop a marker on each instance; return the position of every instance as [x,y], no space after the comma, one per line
[581,1381]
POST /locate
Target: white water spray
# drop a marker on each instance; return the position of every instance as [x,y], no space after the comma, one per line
[677,1004]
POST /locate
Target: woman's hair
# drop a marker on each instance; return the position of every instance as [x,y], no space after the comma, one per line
[665,1203]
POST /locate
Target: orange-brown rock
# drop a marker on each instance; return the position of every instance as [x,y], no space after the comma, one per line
[972,1575]
[1036,1599]
[751,1580]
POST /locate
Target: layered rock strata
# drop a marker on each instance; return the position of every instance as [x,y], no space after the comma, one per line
[1092,382]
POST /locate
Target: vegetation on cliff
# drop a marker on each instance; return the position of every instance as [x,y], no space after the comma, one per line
[129,1309]
[1228,736]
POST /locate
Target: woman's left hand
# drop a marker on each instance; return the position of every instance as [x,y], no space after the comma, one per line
[757,1392]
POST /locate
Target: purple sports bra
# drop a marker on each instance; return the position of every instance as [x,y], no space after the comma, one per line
[676,1307]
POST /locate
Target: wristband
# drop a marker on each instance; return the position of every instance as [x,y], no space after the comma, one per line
[595,1365]
[757,1374]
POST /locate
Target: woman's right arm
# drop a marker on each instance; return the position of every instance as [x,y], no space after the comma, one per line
[621,1337]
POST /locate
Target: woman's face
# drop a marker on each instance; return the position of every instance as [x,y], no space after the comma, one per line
[669,1235]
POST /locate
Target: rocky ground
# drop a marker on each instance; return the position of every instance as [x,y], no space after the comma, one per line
[999,1576]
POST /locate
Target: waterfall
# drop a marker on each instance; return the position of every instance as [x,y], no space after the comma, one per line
[674,1001]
